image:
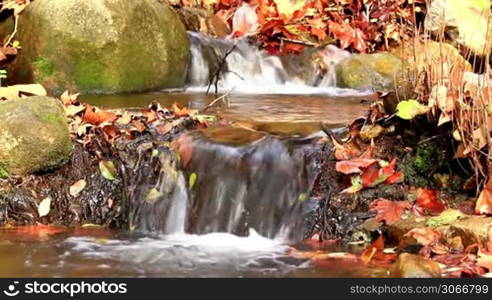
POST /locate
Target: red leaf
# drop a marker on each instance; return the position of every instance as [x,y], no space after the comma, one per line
[427,199]
[370,175]
[395,178]
[389,211]
[354,166]
[389,169]
[375,252]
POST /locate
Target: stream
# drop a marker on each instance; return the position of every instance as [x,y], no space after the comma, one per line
[246,213]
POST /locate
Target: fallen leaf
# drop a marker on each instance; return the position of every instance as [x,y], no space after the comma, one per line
[77,187]
[424,236]
[409,109]
[16,91]
[184,145]
[370,175]
[389,211]
[353,166]
[484,259]
[427,199]
[484,202]
[108,170]
[153,195]
[96,116]
[44,207]
[356,186]
[192,180]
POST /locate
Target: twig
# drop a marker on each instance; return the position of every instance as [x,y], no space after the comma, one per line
[11,37]
[216,76]
[309,44]
[216,100]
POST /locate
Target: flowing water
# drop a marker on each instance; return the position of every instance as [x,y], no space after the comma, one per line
[246,211]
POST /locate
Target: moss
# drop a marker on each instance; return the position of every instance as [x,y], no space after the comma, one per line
[421,165]
[43,68]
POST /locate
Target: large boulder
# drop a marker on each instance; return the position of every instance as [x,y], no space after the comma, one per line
[465,22]
[378,71]
[34,136]
[101,46]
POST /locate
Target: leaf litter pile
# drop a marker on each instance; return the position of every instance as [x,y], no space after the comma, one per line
[403,186]
[118,156]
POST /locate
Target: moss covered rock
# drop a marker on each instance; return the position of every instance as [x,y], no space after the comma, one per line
[378,71]
[34,136]
[101,46]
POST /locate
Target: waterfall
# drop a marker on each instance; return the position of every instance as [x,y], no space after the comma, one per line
[262,186]
[248,69]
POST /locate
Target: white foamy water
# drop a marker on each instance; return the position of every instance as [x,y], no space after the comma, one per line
[250,70]
[214,254]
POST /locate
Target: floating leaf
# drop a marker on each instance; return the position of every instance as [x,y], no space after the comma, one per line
[409,109]
[44,207]
[108,170]
[77,187]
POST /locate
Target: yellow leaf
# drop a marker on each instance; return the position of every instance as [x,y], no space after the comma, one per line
[44,207]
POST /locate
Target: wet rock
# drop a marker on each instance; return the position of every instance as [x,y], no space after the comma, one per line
[414,266]
[101,46]
[201,20]
[464,22]
[33,136]
[369,71]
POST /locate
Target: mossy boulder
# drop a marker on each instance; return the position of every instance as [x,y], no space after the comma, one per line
[101,46]
[34,136]
[378,71]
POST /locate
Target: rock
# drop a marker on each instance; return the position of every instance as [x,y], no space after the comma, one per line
[415,266]
[378,71]
[101,46]
[465,22]
[34,135]
[201,20]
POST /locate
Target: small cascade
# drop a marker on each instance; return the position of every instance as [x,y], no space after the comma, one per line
[248,69]
[262,186]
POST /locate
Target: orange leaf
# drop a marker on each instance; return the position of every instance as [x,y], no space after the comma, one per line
[389,211]
[354,166]
[97,116]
